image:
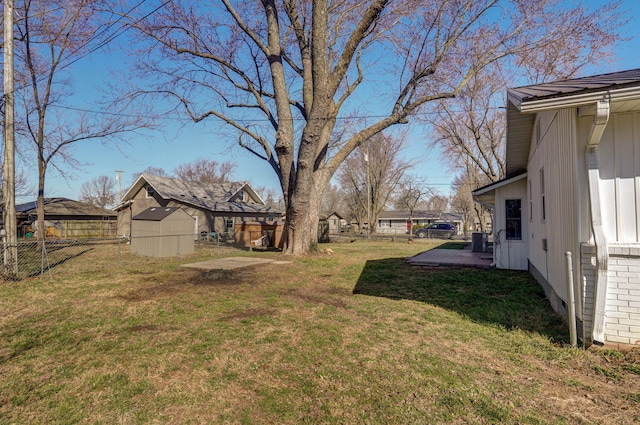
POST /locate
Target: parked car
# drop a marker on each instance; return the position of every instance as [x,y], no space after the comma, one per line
[437,230]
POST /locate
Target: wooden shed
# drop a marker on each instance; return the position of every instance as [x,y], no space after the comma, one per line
[162,232]
[270,233]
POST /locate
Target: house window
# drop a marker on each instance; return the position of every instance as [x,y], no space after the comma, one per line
[513,215]
[150,192]
[229,224]
[384,223]
[240,196]
[543,210]
[270,217]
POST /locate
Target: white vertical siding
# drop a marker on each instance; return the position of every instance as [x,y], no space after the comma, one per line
[509,253]
[557,154]
[619,185]
[619,165]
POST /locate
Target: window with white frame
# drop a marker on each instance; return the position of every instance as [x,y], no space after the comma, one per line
[229,223]
[513,214]
[150,192]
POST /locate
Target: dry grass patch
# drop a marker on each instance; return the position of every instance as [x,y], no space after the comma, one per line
[357,336]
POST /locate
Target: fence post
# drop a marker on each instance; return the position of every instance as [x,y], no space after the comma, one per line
[571,313]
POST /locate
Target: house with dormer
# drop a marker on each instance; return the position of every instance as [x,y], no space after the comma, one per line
[215,207]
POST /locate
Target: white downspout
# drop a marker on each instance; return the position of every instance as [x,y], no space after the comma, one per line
[602,251]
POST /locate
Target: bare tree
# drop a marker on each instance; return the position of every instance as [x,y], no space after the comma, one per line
[462,202]
[50,36]
[21,183]
[206,171]
[469,179]
[377,166]
[269,196]
[333,200]
[155,171]
[282,74]
[411,192]
[437,203]
[99,191]
[471,128]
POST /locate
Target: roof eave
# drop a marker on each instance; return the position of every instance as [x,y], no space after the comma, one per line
[495,185]
[575,100]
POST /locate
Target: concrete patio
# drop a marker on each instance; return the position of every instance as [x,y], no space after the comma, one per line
[228,263]
[453,257]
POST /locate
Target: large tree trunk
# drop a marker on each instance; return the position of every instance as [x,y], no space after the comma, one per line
[303,214]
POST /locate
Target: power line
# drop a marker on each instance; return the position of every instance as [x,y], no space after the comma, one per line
[119,31]
[116,33]
[256,120]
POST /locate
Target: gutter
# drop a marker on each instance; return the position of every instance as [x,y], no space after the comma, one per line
[602,251]
[575,100]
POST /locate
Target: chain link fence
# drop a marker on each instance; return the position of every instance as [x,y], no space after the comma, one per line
[57,257]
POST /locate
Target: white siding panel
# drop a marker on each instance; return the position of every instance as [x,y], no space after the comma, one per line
[556,153]
[511,254]
[626,229]
[606,162]
[619,182]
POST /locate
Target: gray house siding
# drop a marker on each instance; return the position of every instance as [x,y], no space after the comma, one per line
[163,236]
[213,207]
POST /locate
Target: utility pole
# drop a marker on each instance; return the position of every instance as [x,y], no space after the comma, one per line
[8,178]
[119,179]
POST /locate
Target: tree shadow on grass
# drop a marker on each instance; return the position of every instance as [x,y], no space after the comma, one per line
[512,299]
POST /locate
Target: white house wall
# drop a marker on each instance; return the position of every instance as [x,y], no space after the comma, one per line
[567,225]
[619,178]
[619,165]
[510,253]
[554,149]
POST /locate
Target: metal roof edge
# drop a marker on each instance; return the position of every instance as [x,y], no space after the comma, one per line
[495,185]
[576,100]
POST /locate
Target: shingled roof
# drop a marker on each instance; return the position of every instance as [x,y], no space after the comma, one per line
[575,86]
[155,213]
[64,207]
[214,197]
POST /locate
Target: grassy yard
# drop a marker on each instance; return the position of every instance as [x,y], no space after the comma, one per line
[355,336]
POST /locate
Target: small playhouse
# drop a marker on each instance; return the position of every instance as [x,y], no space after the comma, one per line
[162,232]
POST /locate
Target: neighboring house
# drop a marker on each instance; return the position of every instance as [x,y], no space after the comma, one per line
[214,207]
[336,222]
[573,179]
[66,218]
[396,222]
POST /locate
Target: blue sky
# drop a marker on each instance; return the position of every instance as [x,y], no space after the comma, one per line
[177,144]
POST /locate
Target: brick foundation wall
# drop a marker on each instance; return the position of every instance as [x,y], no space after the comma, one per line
[622,314]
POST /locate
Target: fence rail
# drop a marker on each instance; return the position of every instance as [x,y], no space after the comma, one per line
[76,255]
